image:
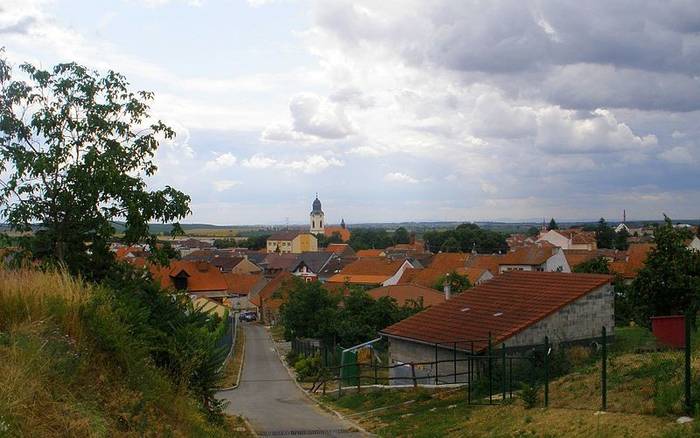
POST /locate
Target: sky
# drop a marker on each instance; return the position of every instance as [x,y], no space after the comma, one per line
[409,110]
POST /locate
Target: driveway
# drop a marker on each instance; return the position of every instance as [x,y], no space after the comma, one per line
[268,397]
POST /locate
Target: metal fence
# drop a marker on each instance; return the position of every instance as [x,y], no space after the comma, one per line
[490,375]
[227,342]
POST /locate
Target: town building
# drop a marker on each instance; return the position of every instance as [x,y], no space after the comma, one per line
[409,294]
[377,271]
[316,217]
[517,309]
[542,256]
[294,242]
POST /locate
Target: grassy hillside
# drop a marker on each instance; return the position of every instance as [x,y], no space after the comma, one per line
[61,376]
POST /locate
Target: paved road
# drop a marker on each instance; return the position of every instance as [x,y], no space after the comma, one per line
[270,399]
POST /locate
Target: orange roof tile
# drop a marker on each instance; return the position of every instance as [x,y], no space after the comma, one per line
[473,274]
[485,261]
[404,293]
[344,232]
[358,279]
[372,266]
[502,307]
[241,284]
[529,255]
[265,298]
[448,261]
[370,253]
[201,276]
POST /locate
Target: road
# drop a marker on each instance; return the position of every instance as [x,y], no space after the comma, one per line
[268,397]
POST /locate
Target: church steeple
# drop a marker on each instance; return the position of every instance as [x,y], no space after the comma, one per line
[316,217]
[342,223]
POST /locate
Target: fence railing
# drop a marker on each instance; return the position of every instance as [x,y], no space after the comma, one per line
[491,374]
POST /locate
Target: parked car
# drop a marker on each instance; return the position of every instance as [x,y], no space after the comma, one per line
[248,316]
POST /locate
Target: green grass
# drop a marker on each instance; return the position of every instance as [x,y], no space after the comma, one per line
[57,379]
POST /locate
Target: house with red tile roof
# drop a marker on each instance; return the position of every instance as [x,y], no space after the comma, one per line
[633,262]
[407,293]
[573,238]
[542,256]
[341,249]
[271,297]
[371,271]
[371,253]
[198,278]
[516,308]
[241,287]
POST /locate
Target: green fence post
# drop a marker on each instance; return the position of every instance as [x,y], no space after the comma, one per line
[546,371]
[490,371]
[510,379]
[470,368]
[436,364]
[604,372]
[374,361]
[454,361]
[688,400]
[503,377]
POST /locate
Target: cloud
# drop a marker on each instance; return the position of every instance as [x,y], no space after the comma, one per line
[222,161]
[313,117]
[677,155]
[399,177]
[309,165]
[226,184]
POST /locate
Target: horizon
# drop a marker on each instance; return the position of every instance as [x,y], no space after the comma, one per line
[399,111]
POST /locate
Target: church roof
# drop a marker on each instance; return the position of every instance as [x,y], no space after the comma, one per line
[316,206]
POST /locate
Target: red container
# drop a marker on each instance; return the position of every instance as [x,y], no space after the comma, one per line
[669,330]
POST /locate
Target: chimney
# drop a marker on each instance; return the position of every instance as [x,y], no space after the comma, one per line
[446,287]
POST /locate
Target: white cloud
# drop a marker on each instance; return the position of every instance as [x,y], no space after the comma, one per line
[677,155]
[399,177]
[308,165]
[225,184]
[222,161]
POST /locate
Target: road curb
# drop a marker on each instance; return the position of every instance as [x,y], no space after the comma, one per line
[240,371]
[315,401]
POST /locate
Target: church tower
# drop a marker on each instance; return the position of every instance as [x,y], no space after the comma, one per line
[316,217]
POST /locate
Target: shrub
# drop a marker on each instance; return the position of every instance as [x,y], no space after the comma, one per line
[307,367]
[530,395]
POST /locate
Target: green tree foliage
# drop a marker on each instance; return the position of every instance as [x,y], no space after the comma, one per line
[324,241]
[133,316]
[598,265]
[466,237]
[605,235]
[225,243]
[620,241]
[370,238]
[76,147]
[533,232]
[311,311]
[458,283]
[255,242]
[552,225]
[401,235]
[669,283]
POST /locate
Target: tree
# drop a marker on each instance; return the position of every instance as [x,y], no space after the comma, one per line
[620,241]
[458,283]
[598,265]
[552,225]
[401,236]
[533,232]
[605,235]
[310,311]
[451,245]
[76,147]
[669,283]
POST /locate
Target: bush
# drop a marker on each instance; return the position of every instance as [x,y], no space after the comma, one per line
[308,367]
[530,395]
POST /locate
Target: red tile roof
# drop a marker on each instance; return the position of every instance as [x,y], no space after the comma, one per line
[403,293]
[448,261]
[635,260]
[372,266]
[529,255]
[265,298]
[503,306]
[370,253]
[201,276]
[242,284]
[344,232]
[485,261]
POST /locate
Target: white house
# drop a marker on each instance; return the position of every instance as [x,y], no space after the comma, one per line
[542,257]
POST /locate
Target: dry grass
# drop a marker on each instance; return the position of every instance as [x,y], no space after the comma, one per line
[447,414]
[233,366]
[54,382]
